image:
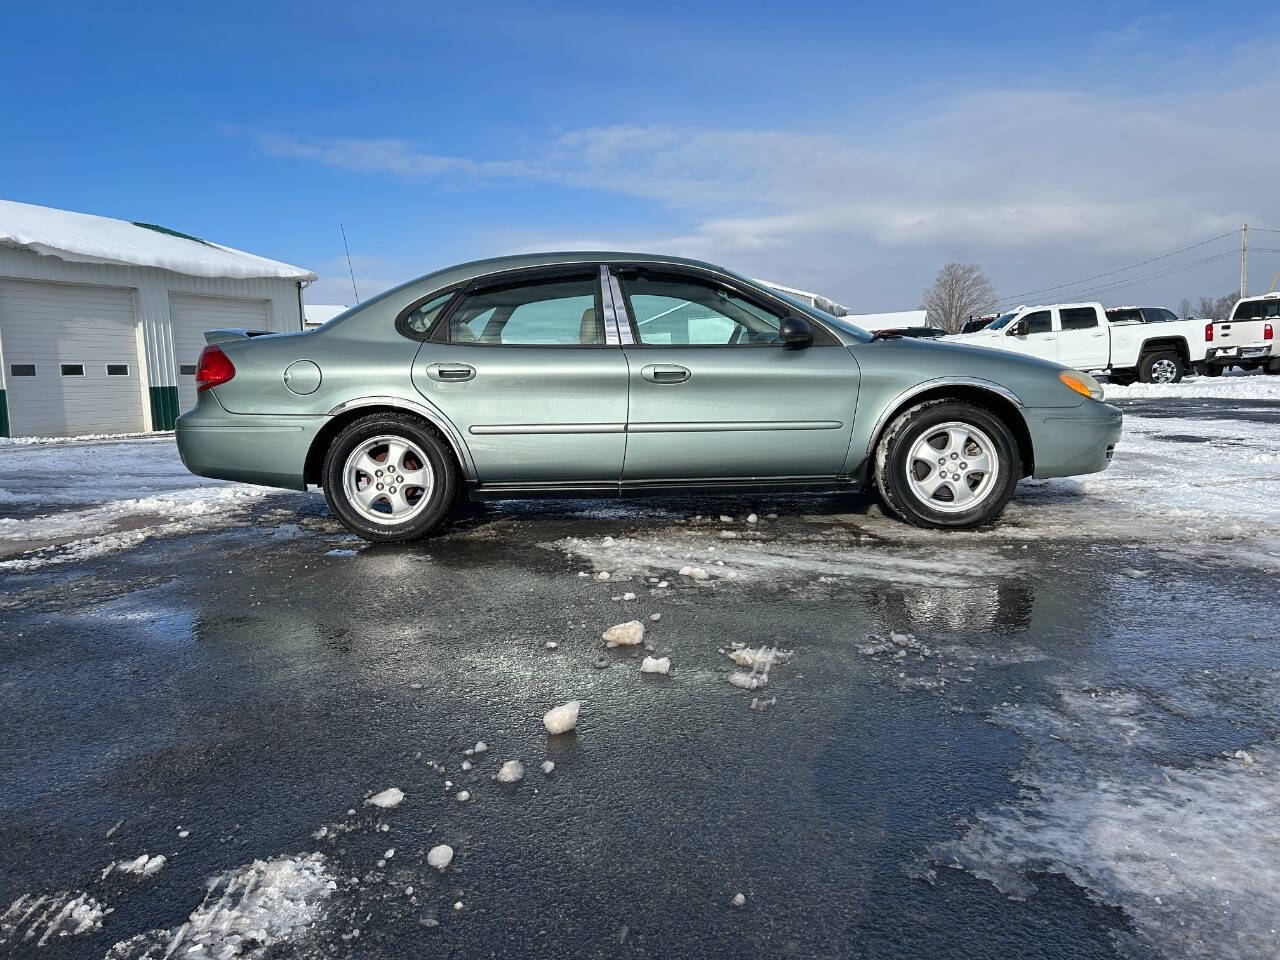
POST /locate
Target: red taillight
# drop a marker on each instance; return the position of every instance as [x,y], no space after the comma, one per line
[1267,332]
[213,369]
[1208,332]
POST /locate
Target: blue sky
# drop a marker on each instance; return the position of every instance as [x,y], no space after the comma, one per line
[846,148]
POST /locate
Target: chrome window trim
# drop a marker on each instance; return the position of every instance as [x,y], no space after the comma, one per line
[611,336]
[925,387]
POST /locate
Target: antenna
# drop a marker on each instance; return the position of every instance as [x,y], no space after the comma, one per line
[350,269]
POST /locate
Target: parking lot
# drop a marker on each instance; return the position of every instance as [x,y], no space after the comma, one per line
[1058,737]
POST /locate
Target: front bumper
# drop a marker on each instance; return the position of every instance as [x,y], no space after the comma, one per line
[1073,441]
[267,450]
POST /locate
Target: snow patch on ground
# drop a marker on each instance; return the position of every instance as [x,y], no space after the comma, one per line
[36,920]
[1191,853]
[245,914]
[803,554]
[142,865]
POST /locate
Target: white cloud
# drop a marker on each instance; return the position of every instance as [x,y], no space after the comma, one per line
[1040,185]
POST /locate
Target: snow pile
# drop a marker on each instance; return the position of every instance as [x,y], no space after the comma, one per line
[510,772]
[85,238]
[1253,386]
[142,865]
[627,634]
[440,856]
[388,799]
[655,665]
[1190,853]
[563,718]
[38,920]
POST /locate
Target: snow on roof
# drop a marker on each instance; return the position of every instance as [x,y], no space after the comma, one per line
[85,238]
[314,314]
[890,321]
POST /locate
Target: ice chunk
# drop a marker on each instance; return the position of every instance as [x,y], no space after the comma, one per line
[725,518]
[511,772]
[142,865]
[655,617]
[694,573]
[748,681]
[462,796]
[752,518]
[663,584]
[548,766]
[628,595]
[602,575]
[762,703]
[551,645]
[655,665]
[739,900]
[388,799]
[466,765]
[563,718]
[440,856]
[480,747]
[627,634]
[761,659]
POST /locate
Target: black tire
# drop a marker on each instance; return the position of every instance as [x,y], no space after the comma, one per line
[893,458]
[444,488]
[1156,362]
[1211,370]
[1272,368]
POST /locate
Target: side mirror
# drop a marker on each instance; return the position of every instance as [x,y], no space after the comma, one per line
[1021,328]
[795,332]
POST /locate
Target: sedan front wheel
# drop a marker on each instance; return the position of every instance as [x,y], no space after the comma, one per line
[947,463]
[390,478]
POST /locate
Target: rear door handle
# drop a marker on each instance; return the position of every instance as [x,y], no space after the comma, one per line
[450,372]
[665,373]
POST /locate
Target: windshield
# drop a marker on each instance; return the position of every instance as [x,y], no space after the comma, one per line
[1001,321]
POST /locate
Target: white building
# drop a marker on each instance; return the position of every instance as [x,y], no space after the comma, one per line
[824,304]
[316,314]
[101,320]
[890,321]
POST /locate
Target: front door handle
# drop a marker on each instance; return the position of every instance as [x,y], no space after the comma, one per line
[450,372]
[665,373]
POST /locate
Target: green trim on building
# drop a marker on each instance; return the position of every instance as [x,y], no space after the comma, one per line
[4,414]
[164,407]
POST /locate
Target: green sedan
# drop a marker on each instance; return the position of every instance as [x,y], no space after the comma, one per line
[608,374]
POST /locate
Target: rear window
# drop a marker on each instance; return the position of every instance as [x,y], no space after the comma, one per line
[1125,316]
[1249,310]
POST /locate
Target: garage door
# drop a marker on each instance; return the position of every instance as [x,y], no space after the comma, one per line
[191,316]
[71,359]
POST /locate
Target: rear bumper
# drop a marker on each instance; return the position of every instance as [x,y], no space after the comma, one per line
[1067,443]
[267,450]
[1230,355]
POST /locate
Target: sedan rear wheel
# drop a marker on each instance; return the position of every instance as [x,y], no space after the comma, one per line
[390,478]
[947,463]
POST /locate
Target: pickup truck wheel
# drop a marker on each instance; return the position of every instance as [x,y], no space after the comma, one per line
[1160,368]
[947,464]
[390,478]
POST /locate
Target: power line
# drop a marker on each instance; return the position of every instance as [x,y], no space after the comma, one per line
[1020,297]
[1158,275]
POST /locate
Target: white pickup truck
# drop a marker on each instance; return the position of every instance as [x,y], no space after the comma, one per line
[1130,343]
[1247,339]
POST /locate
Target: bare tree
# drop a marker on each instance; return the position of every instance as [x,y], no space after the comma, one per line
[959,291]
[1184,311]
[1217,308]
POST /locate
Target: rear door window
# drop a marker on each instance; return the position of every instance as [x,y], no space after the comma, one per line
[561,311]
[1078,318]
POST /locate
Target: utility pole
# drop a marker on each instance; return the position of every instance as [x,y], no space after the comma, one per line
[1244,260]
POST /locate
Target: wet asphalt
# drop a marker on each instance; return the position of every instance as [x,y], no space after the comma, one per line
[248,687]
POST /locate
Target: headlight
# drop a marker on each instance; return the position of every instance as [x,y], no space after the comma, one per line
[1081,383]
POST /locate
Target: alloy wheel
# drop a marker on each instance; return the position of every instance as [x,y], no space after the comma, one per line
[388,479]
[953,467]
